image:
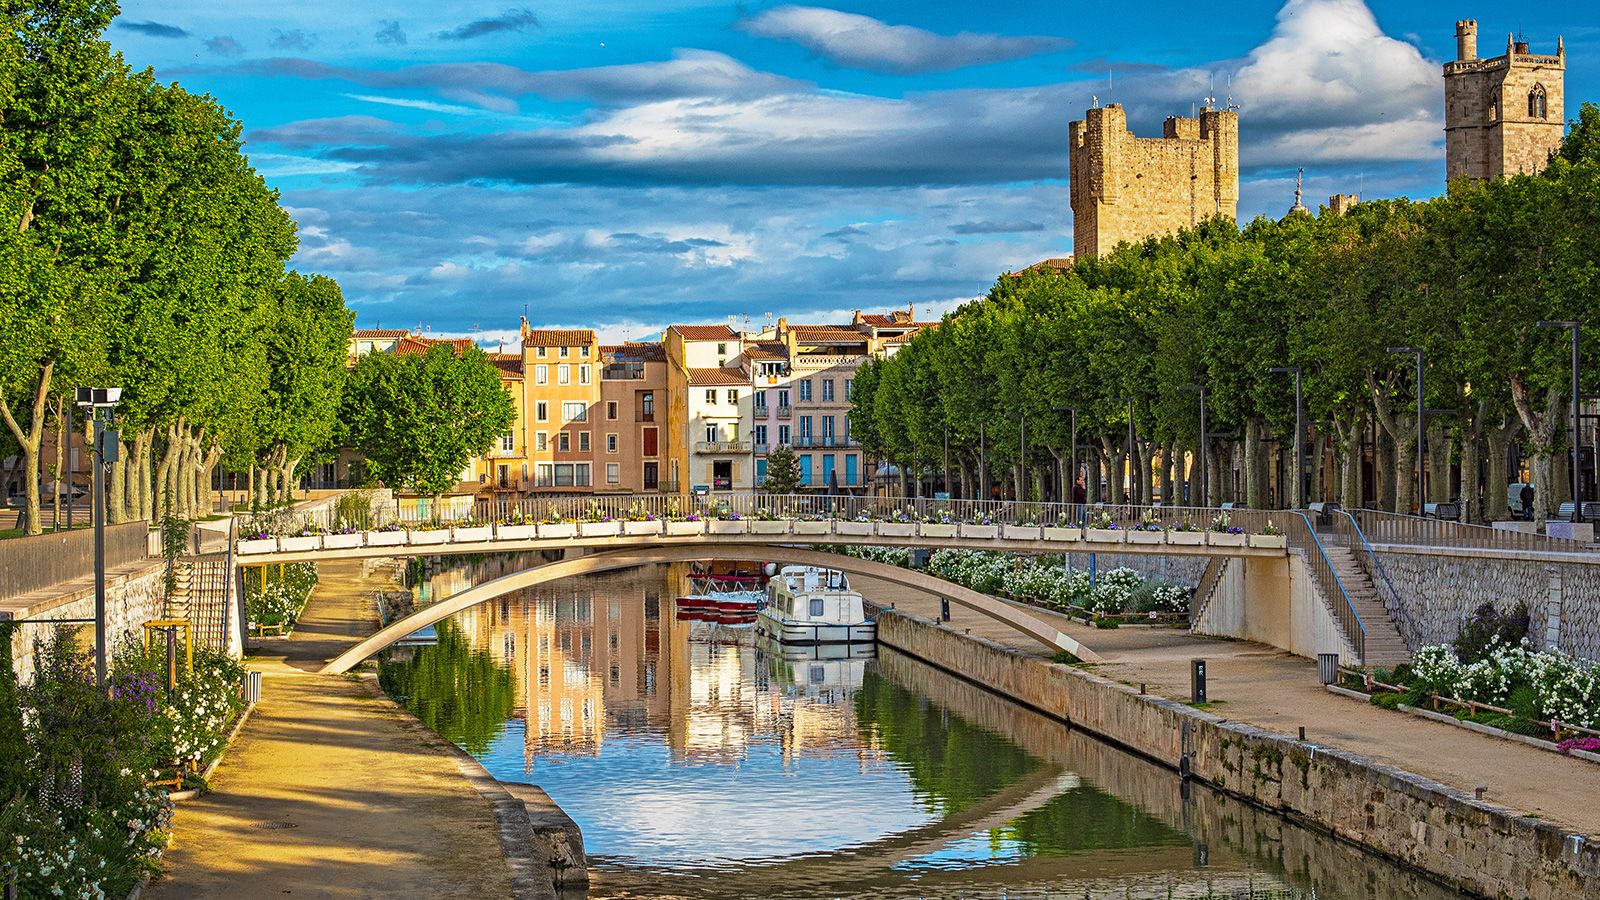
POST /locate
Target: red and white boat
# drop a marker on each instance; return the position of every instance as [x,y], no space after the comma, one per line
[723,607]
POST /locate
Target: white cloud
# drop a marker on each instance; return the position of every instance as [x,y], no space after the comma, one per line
[426,105]
[866,43]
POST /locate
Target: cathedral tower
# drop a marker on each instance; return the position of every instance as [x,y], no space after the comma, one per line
[1502,116]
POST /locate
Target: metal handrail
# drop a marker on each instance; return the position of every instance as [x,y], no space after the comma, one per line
[1379,574]
[1328,579]
[1203,592]
[1419,531]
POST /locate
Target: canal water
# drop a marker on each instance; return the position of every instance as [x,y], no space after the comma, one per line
[699,764]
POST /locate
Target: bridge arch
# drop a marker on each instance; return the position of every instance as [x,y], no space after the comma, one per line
[638,556]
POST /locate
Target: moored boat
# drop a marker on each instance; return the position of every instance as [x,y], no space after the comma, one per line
[811,605]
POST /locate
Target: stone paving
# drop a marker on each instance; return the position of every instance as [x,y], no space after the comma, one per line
[329,791]
[1266,687]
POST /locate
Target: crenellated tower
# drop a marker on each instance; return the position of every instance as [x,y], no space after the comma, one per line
[1502,116]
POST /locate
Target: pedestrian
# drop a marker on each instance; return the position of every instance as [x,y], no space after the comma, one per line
[1527,501]
[1079,495]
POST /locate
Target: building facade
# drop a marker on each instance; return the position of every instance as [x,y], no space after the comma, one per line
[704,446]
[1502,116]
[561,378]
[1127,188]
[633,388]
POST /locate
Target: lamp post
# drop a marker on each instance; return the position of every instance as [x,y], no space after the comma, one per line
[101,404]
[1296,498]
[1072,480]
[1205,470]
[1421,415]
[1577,434]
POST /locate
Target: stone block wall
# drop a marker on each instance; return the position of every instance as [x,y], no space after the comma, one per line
[1182,570]
[131,600]
[1438,592]
[1464,842]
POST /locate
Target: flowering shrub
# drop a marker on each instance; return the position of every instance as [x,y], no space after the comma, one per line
[1047,583]
[1586,744]
[1102,520]
[282,599]
[1565,689]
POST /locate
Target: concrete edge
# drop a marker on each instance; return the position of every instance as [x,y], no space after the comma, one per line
[233,734]
[1398,778]
[1479,727]
[530,878]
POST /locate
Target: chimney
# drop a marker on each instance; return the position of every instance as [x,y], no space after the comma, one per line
[1522,47]
[1466,39]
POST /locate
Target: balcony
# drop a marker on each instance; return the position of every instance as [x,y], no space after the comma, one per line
[826,442]
[722,447]
[785,412]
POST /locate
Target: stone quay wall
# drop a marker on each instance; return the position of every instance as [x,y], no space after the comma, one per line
[1468,844]
[131,600]
[1438,591]
[1180,570]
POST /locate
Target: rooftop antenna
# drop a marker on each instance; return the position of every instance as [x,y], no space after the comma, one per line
[1232,106]
[1111,93]
[1211,93]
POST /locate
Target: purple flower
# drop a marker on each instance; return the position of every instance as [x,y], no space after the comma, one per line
[1236,530]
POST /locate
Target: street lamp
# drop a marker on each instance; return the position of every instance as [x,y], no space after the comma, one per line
[1577,435]
[101,404]
[1072,481]
[1205,470]
[1421,415]
[1297,497]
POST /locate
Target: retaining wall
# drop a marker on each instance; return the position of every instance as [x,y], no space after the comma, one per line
[1274,602]
[1440,590]
[131,600]
[1466,843]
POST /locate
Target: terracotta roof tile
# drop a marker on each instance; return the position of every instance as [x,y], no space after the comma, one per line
[557,337]
[509,364]
[767,351]
[718,377]
[828,334]
[381,333]
[415,345]
[705,332]
[644,351]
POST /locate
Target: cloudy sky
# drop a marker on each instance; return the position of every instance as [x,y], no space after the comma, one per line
[625,164]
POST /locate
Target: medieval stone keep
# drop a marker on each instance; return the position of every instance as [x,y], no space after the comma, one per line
[1127,188]
[1502,116]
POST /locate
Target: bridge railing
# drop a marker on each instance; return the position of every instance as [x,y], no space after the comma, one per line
[1417,531]
[1303,536]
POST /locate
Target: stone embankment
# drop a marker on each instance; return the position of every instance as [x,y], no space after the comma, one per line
[1470,844]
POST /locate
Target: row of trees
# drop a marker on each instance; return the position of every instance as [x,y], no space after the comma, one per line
[139,249]
[1464,277]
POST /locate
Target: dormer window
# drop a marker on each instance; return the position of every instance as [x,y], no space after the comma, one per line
[1538,108]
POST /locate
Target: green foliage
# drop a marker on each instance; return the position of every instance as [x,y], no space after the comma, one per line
[278,599]
[1487,628]
[783,471]
[1388,700]
[420,419]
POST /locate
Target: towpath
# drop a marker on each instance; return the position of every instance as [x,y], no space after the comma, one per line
[329,791]
[1269,688]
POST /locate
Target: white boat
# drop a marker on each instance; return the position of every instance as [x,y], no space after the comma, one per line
[811,605]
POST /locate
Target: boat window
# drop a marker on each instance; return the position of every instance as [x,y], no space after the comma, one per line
[817,673]
[816,606]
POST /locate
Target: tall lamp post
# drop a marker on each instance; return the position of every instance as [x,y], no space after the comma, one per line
[101,404]
[1422,414]
[1072,478]
[1577,434]
[1205,467]
[1297,498]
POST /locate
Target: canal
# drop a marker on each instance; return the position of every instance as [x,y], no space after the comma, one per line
[701,765]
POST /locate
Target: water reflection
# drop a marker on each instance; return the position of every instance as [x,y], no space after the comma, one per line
[699,764]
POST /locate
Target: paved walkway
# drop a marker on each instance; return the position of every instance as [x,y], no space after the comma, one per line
[329,791]
[1263,686]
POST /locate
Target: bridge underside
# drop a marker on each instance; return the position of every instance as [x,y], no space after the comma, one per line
[631,557]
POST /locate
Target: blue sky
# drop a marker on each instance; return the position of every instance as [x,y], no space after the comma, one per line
[623,164]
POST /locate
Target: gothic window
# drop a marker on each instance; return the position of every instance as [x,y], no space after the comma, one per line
[1537,108]
[1494,107]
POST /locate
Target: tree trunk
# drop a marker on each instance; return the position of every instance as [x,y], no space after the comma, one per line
[1541,427]
[1402,432]
[1254,491]
[60,469]
[143,486]
[1349,431]
[1438,465]
[1499,435]
[31,441]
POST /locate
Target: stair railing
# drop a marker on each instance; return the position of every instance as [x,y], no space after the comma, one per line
[1305,537]
[1350,535]
[1207,588]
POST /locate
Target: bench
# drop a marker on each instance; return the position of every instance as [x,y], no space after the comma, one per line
[1324,511]
[1451,511]
[1234,505]
[1591,510]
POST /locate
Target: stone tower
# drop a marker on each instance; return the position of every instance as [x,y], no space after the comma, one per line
[1502,116]
[1127,188]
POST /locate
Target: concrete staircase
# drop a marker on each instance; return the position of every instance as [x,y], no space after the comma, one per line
[1384,645]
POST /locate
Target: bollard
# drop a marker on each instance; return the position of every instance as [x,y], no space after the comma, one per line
[1197,681]
[1328,668]
[1302,733]
[944,609]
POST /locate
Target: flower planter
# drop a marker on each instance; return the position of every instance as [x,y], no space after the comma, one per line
[861,529]
[1062,533]
[1020,532]
[938,529]
[1223,539]
[261,545]
[598,529]
[812,527]
[433,536]
[516,532]
[341,541]
[969,530]
[1186,538]
[728,526]
[1146,537]
[386,538]
[551,530]
[1104,535]
[766,526]
[897,529]
[471,534]
[297,544]
[1269,541]
[683,529]
[647,527]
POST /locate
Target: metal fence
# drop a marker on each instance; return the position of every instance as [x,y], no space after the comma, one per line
[1303,536]
[34,563]
[1415,531]
[1342,530]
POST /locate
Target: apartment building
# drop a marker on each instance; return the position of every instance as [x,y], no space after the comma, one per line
[504,471]
[561,382]
[707,390]
[633,390]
